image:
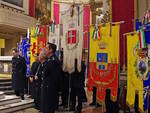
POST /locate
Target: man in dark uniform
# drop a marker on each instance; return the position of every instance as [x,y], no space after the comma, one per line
[35,81]
[77,81]
[50,80]
[18,73]
[40,77]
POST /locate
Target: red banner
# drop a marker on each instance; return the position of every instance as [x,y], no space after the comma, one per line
[56,12]
[104,79]
[32,8]
[86,25]
[42,37]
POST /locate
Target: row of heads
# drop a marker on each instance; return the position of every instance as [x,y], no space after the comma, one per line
[49,50]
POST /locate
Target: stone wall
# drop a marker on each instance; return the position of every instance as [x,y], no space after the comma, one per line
[10,43]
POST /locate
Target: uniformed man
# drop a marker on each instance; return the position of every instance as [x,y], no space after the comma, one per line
[18,73]
[50,80]
[35,81]
[40,76]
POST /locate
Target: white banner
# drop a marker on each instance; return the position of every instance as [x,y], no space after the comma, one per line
[72,21]
[54,37]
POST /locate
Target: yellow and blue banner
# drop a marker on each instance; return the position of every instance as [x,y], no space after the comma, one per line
[138,78]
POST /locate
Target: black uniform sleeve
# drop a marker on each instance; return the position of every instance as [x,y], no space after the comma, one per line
[32,69]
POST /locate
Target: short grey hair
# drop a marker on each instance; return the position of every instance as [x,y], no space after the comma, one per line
[43,53]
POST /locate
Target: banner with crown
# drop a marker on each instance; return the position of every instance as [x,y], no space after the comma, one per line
[104,61]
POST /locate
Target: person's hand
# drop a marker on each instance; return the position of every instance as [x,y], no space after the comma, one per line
[36,77]
[31,79]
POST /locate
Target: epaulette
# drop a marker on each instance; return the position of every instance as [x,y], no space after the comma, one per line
[52,58]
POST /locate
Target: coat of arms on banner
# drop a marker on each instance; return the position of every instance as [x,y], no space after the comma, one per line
[104,62]
[138,75]
[72,37]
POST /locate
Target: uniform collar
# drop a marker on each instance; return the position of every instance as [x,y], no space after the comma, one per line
[51,58]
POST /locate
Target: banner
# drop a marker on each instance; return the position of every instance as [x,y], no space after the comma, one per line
[34,42]
[19,48]
[24,51]
[42,37]
[56,12]
[23,43]
[27,56]
[72,20]
[54,37]
[104,61]
[138,75]
[86,27]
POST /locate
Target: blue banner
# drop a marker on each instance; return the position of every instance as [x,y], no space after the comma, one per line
[24,50]
[27,56]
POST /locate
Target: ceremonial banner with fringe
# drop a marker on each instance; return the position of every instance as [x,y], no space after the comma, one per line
[34,42]
[72,21]
[42,37]
[138,79]
[104,61]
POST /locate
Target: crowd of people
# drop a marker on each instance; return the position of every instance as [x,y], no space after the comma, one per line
[49,86]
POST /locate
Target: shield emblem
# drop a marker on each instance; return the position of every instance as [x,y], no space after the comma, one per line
[72,36]
[102,60]
[72,39]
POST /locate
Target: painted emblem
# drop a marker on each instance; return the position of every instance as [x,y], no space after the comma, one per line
[102,61]
[72,39]
[141,64]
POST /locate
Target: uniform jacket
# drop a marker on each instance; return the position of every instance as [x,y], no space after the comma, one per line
[19,69]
